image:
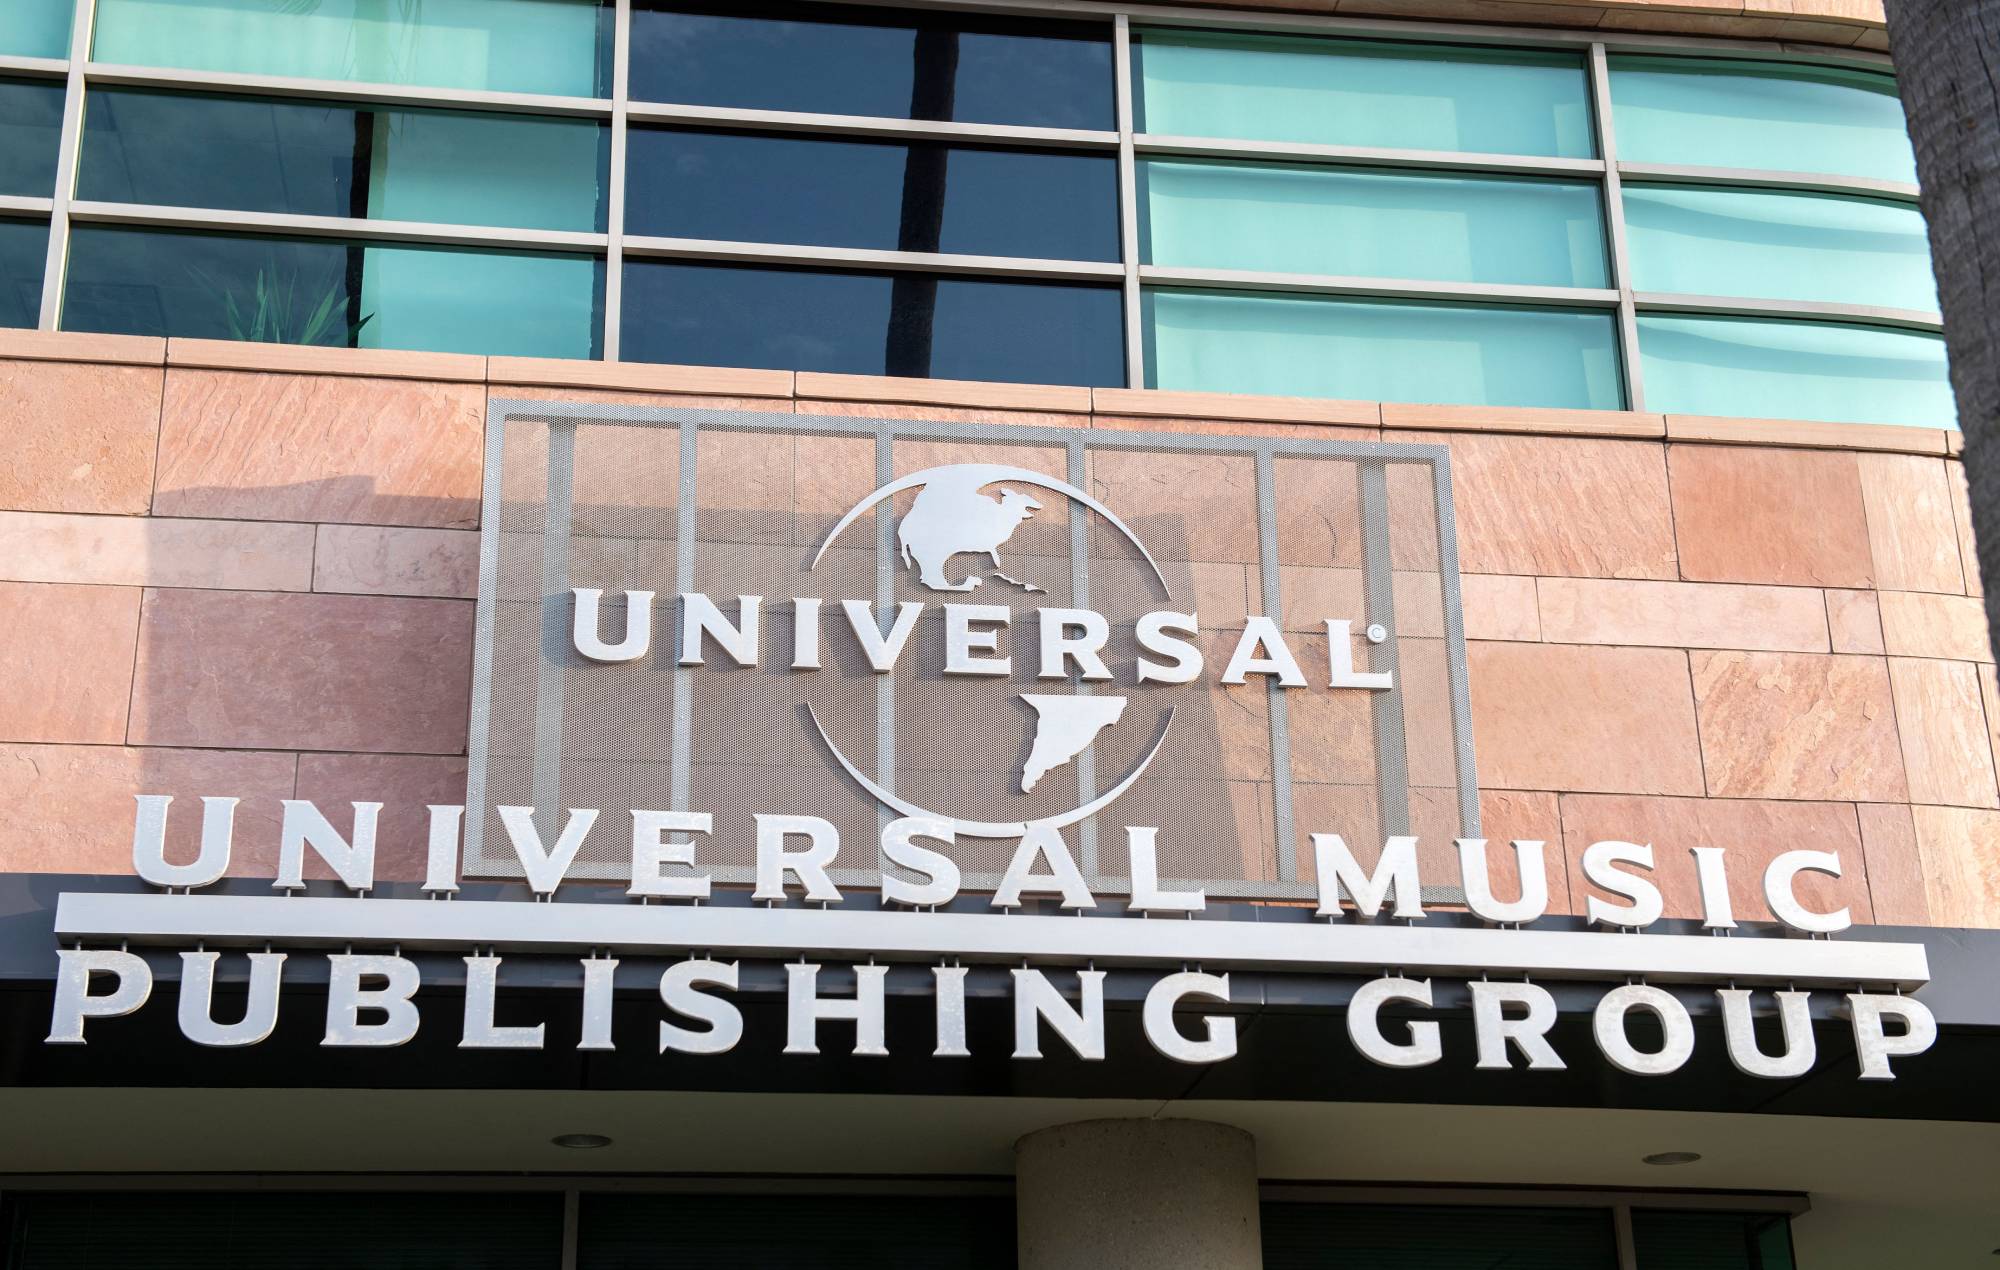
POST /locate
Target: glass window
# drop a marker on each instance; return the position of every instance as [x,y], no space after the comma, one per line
[326,291]
[1669,1240]
[892,63]
[872,323]
[30,135]
[1326,1236]
[1774,115]
[519,46]
[35,28]
[1291,218]
[887,195]
[1379,350]
[1358,93]
[819,1232]
[1701,240]
[24,249]
[322,159]
[1760,368]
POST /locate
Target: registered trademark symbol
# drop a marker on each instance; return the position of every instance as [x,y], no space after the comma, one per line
[1377,633]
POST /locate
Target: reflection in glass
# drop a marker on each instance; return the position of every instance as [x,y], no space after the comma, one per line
[1362,93]
[1777,115]
[1702,240]
[892,63]
[321,159]
[1381,350]
[30,135]
[885,195]
[330,292]
[561,47]
[35,28]
[1766,369]
[24,250]
[872,323]
[1291,218]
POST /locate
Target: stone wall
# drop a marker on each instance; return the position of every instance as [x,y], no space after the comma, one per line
[248,569]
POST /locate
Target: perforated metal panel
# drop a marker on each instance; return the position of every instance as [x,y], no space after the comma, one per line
[739,504]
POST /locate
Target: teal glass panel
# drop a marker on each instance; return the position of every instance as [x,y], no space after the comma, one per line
[471,169]
[31,113]
[519,46]
[1777,115]
[1291,218]
[1764,369]
[1362,93]
[1697,240]
[331,292]
[24,251]
[35,28]
[1668,1239]
[1377,350]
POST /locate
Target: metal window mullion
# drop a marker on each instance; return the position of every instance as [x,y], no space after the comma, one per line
[1793,310]
[1393,288]
[1366,156]
[1770,179]
[228,219]
[1128,204]
[35,67]
[16,203]
[355,91]
[614,211]
[1614,218]
[1628,1244]
[642,245]
[55,264]
[685,114]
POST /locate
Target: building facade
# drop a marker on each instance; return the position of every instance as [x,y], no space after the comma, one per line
[1162,458]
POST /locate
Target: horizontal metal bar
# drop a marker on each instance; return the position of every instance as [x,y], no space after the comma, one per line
[1761,178]
[1397,288]
[869,126]
[1365,156]
[859,258]
[335,227]
[23,203]
[1533,1197]
[345,90]
[35,67]
[1802,310]
[1129,940]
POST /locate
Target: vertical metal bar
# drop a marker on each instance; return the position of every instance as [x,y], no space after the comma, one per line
[1128,203]
[479,733]
[1614,217]
[56,264]
[614,193]
[549,669]
[571,1203]
[684,533]
[1454,638]
[1392,756]
[1628,1245]
[1281,732]
[1079,587]
[885,614]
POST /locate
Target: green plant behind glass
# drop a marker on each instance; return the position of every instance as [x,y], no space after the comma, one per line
[275,308]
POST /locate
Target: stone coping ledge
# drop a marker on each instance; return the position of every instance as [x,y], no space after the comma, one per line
[1171,408]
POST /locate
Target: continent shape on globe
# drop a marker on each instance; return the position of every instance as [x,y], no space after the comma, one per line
[1063,726]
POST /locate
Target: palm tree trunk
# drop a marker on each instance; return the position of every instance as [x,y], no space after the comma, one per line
[1947,56]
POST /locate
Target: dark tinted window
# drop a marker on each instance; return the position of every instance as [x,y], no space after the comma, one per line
[902,64]
[887,195]
[872,323]
[24,247]
[1670,1240]
[794,1232]
[1337,1236]
[30,134]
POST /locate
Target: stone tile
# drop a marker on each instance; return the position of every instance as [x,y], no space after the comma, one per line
[1961,515]
[371,560]
[1855,620]
[1797,725]
[1891,437]
[1211,427]
[320,448]
[1753,833]
[637,397]
[155,551]
[509,374]
[977,394]
[68,654]
[314,359]
[1682,614]
[80,437]
[308,672]
[1911,531]
[1539,421]
[1569,506]
[1925,624]
[942,414]
[69,808]
[1155,403]
[82,346]
[1211,514]
[1743,514]
[404,784]
[1960,849]
[1565,717]
[1989,697]
[1947,749]
[1896,888]
[1499,607]
[1508,815]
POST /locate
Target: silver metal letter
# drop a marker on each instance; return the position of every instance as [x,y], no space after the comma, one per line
[1261,650]
[346,999]
[1143,862]
[961,641]
[1795,1008]
[1340,672]
[197,1006]
[725,1021]
[1364,1026]
[651,852]
[74,1003]
[1645,907]
[1158,1016]
[545,868]
[149,842]
[441,858]
[941,875]
[1493,1029]
[584,626]
[600,978]
[1718,912]
[1874,1046]
[1780,893]
[808,866]
[804,1008]
[950,987]
[1042,841]
[482,982]
[1677,1030]
[1153,638]
[1534,899]
[699,617]
[1395,874]
[1036,999]
[805,633]
[1059,648]
[304,826]
[881,650]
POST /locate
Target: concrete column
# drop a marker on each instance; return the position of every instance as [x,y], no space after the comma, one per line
[1138,1195]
